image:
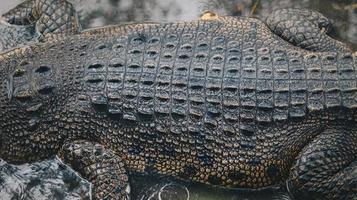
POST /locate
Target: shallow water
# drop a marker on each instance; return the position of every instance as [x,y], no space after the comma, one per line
[53,180]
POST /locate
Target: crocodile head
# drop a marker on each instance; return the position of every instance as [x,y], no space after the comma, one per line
[25,90]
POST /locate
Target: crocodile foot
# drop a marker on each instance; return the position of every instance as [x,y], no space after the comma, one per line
[304,28]
[50,16]
[101,167]
[326,168]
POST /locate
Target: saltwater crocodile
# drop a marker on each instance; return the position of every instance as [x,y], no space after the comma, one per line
[221,100]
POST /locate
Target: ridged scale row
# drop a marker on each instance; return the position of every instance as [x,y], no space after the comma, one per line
[195,74]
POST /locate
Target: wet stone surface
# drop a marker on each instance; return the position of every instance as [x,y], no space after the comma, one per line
[45,180]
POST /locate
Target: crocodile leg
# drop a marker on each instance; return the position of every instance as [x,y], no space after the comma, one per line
[50,16]
[304,28]
[327,167]
[100,166]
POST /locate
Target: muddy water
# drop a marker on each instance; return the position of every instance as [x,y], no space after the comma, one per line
[52,180]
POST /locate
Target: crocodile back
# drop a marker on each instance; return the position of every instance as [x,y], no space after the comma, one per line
[225,75]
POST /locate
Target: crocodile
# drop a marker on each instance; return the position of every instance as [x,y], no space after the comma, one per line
[225,101]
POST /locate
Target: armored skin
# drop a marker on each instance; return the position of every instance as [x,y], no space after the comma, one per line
[221,100]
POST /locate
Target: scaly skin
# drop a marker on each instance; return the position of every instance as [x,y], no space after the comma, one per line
[15,36]
[221,101]
[31,20]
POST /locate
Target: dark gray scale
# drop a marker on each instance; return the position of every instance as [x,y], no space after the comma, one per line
[82,100]
[202,57]
[347,84]
[297,85]
[44,80]
[164,70]
[264,100]
[116,68]
[248,85]
[44,84]
[133,71]
[95,81]
[30,86]
[281,85]
[180,90]
[179,82]
[31,82]
[216,67]
[231,90]
[95,74]
[265,85]
[315,93]
[330,75]
[146,99]
[213,83]
[19,86]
